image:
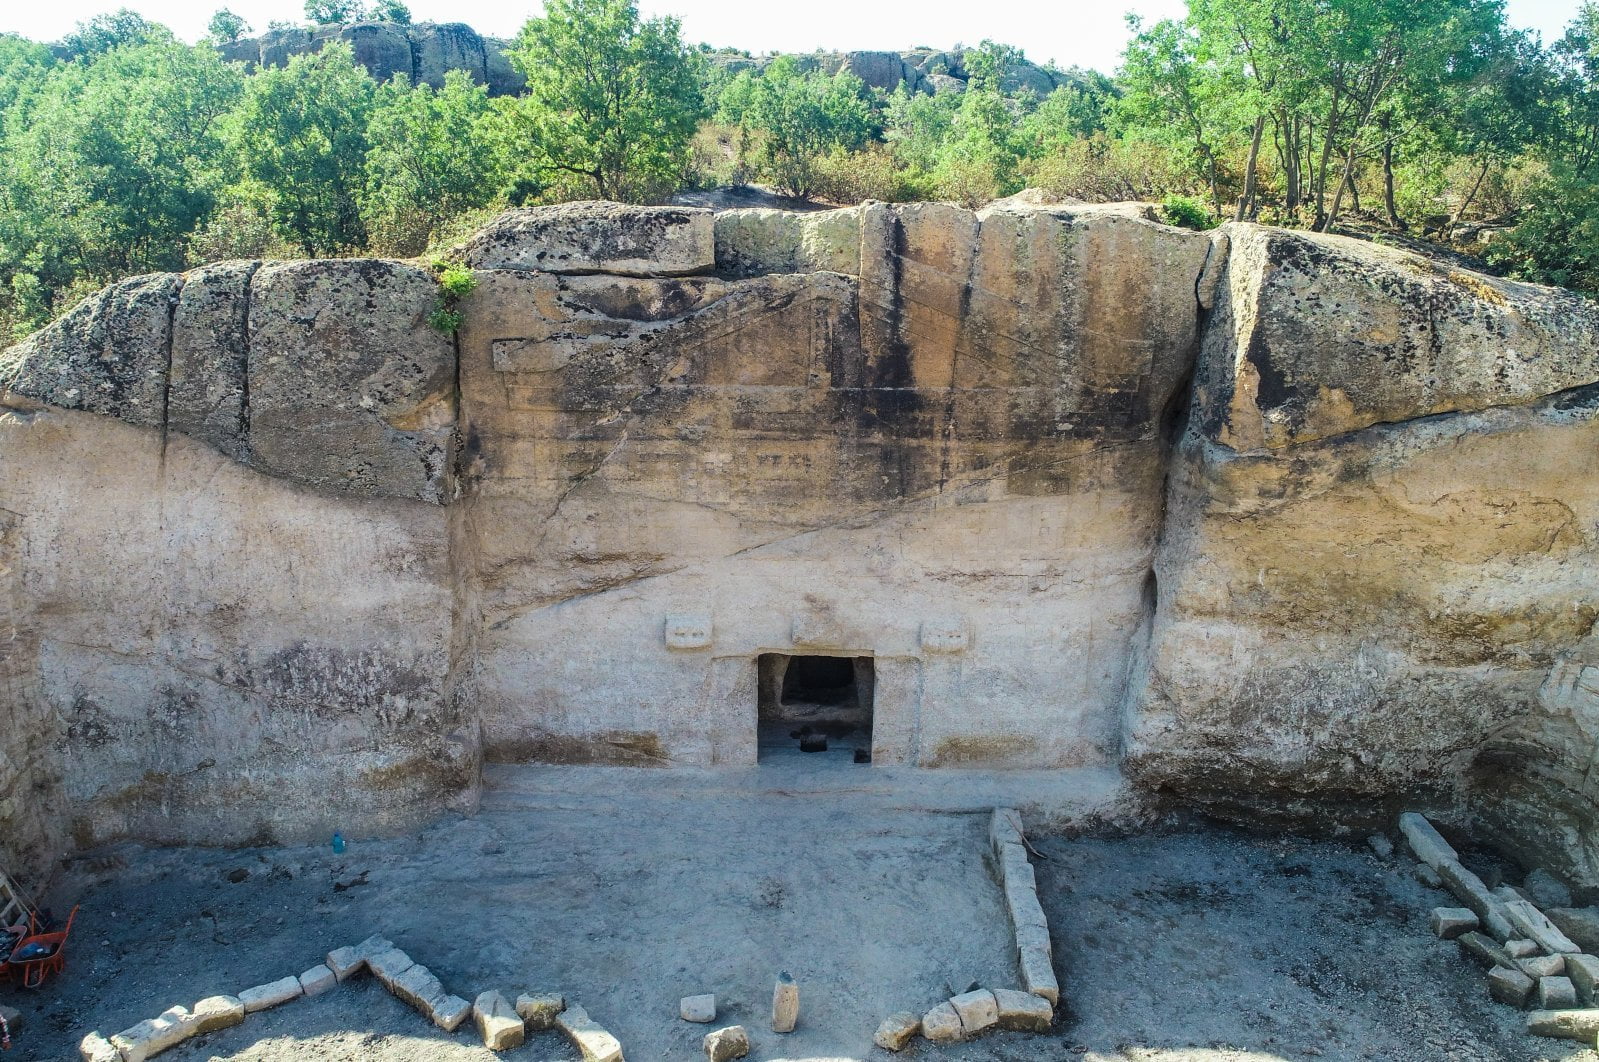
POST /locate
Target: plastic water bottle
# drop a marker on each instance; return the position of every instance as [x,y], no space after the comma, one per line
[338,843]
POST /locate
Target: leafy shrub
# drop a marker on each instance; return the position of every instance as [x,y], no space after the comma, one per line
[850,177]
[1557,239]
[1186,213]
[456,282]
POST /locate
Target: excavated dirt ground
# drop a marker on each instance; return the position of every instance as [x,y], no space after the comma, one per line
[628,889]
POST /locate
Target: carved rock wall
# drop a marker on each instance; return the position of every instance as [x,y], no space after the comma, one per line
[1282,523]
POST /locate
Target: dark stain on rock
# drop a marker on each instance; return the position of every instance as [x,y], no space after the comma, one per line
[615,748]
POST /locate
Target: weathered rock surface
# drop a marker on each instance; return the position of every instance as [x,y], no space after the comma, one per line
[1377,561]
[424,52]
[1279,521]
[597,238]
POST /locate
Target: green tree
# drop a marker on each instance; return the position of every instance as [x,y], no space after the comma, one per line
[102,33]
[334,12]
[800,118]
[225,27]
[611,100]
[125,150]
[390,11]
[1168,96]
[434,155]
[299,139]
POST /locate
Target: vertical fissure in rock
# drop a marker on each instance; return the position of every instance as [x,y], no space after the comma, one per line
[248,302]
[166,373]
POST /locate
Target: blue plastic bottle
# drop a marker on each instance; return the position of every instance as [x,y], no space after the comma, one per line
[338,843]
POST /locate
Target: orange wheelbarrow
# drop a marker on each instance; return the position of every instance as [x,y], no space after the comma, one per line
[38,956]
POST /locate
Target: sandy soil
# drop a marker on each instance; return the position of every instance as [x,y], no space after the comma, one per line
[628,889]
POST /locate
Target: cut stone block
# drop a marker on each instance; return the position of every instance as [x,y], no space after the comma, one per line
[153,1035]
[723,1045]
[898,1030]
[1536,966]
[785,1004]
[1520,948]
[1038,975]
[1427,843]
[96,1048]
[216,1012]
[13,1018]
[1564,1024]
[539,1010]
[698,1008]
[317,980]
[1556,993]
[1532,923]
[1021,900]
[1035,938]
[497,1022]
[347,962]
[1471,892]
[449,1012]
[1482,948]
[1012,862]
[1023,1011]
[591,1040]
[1004,827]
[270,995]
[1510,986]
[1449,922]
[388,965]
[1584,973]
[418,987]
[1428,876]
[942,1025]
[977,1010]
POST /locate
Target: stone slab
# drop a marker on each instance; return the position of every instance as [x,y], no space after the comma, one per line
[96,1048]
[1556,993]
[977,1010]
[153,1035]
[497,1022]
[697,1008]
[317,980]
[896,1031]
[1023,1011]
[1510,986]
[1483,948]
[449,1012]
[942,1025]
[1532,923]
[388,965]
[1584,973]
[216,1012]
[1449,922]
[276,992]
[1425,842]
[588,1036]
[1577,1024]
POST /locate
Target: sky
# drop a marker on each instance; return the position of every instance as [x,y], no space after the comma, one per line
[1069,32]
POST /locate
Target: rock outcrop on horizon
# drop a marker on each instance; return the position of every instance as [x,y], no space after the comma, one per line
[1281,524]
[424,52]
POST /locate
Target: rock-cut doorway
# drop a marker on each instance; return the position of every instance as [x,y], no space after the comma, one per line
[815,707]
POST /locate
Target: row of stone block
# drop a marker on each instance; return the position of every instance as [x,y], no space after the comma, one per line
[502,1026]
[1014,871]
[1530,961]
[177,1024]
[966,1015]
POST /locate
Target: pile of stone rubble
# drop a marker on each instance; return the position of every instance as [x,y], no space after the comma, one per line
[1530,960]
[977,1010]
[501,1025]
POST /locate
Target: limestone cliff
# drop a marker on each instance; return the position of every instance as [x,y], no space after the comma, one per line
[1279,522]
[424,53]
